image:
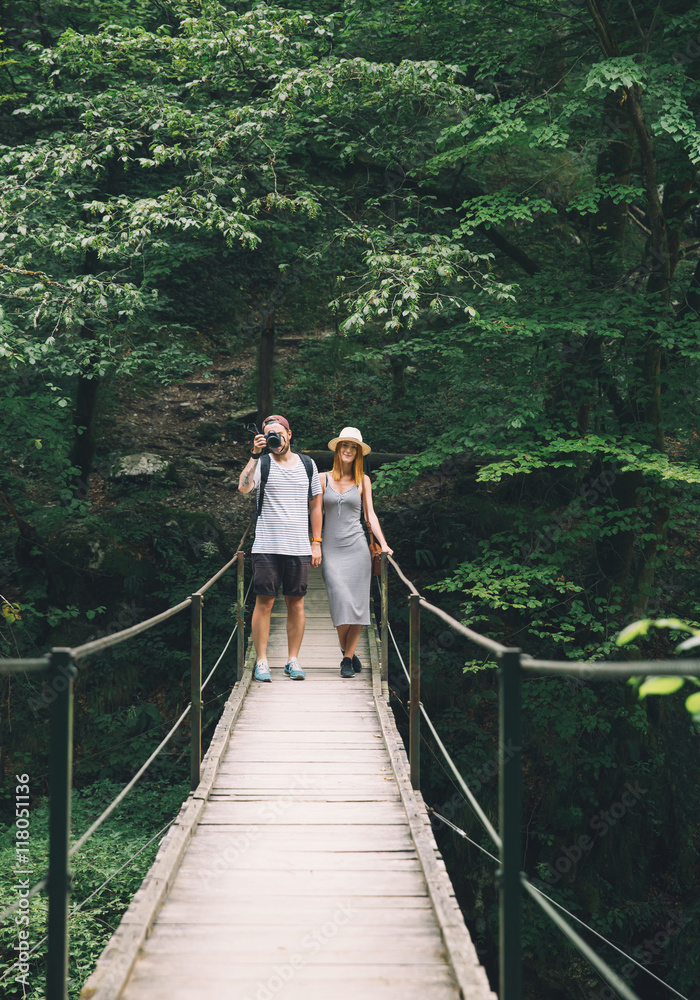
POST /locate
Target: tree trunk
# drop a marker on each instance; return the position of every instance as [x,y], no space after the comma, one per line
[398,376]
[691,303]
[266,353]
[83,450]
[616,556]
[608,227]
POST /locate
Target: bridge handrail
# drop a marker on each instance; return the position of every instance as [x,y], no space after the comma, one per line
[107,641]
[618,984]
[129,785]
[122,794]
[485,821]
[608,669]
[231,561]
[530,887]
[60,664]
[476,637]
[513,665]
[31,666]
[95,892]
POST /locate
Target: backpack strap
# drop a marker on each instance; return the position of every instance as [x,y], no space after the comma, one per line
[308,464]
[264,475]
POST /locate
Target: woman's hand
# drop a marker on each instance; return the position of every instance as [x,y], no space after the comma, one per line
[385,548]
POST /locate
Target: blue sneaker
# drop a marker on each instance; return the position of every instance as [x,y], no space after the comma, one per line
[293,669]
[262,671]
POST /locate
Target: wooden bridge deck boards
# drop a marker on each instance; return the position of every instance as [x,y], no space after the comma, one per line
[303,877]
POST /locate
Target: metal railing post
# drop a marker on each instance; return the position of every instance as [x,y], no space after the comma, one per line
[196,691]
[385,619]
[240,602]
[61,675]
[510,795]
[414,703]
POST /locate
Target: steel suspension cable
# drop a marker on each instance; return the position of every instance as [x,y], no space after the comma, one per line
[127,788]
[497,647]
[15,906]
[398,653]
[144,767]
[437,760]
[230,639]
[96,646]
[79,907]
[466,791]
[529,885]
[42,884]
[462,783]
[447,822]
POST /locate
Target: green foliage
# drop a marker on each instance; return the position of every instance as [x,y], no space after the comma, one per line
[107,872]
[615,74]
[664,685]
[462,202]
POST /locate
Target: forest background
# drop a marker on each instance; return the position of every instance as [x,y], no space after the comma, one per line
[471,229]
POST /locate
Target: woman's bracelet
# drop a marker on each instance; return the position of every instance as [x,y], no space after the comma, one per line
[316,539]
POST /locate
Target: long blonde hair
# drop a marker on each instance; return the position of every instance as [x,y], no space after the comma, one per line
[357,466]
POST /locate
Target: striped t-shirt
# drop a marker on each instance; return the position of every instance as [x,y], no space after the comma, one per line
[283,525]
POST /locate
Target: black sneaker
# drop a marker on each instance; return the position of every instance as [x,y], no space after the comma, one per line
[356,664]
[346,669]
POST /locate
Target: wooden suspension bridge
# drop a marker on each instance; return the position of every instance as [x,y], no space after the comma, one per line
[304,863]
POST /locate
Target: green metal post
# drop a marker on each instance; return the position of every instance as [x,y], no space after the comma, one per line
[385,619]
[196,691]
[510,795]
[240,658]
[414,704]
[61,675]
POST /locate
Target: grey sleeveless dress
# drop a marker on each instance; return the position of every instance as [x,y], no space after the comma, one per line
[346,564]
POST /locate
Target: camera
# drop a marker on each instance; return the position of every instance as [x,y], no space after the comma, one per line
[272,438]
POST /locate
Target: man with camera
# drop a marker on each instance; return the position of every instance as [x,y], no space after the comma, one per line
[289,495]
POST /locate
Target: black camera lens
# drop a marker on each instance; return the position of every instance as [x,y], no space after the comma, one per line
[273,439]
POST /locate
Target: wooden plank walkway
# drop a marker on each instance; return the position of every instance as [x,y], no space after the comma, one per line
[304,867]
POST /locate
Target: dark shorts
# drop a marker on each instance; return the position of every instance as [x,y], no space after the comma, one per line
[271,570]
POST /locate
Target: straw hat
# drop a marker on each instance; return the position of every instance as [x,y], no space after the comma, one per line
[350,434]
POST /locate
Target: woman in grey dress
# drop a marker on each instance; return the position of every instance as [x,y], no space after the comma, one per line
[346,561]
